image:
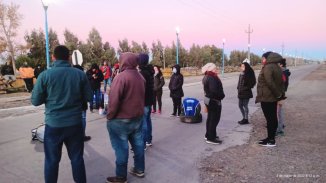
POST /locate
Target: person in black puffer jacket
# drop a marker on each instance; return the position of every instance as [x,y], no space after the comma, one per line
[247,80]
[176,91]
[158,89]
[95,77]
[214,93]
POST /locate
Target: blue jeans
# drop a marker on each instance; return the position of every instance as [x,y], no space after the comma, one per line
[121,131]
[84,121]
[147,125]
[97,94]
[106,82]
[73,138]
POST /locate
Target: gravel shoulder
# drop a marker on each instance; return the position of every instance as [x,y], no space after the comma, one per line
[299,155]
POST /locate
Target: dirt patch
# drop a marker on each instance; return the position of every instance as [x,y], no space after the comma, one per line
[299,155]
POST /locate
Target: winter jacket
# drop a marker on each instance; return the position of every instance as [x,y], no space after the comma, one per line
[62,89]
[147,72]
[176,83]
[286,75]
[213,87]
[245,84]
[26,72]
[95,82]
[106,70]
[127,93]
[37,71]
[158,82]
[270,87]
[7,70]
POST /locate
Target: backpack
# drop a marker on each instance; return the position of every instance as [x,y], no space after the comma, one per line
[190,111]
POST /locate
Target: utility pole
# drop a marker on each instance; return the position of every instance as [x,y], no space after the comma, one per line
[249,32]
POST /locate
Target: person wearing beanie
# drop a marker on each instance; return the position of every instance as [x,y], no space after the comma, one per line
[247,80]
[176,91]
[214,94]
[270,90]
[280,104]
[147,71]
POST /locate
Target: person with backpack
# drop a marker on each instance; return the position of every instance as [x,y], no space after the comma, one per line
[280,104]
[247,80]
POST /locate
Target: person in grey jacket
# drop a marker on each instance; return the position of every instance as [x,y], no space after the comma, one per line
[270,90]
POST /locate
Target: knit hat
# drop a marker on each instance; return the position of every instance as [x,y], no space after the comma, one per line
[208,67]
[143,59]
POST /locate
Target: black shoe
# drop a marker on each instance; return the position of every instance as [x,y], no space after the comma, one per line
[87,138]
[269,143]
[116,180]
[217,137]
[172,115]
[243,122]
[263,140]
[215,141]
[137,173]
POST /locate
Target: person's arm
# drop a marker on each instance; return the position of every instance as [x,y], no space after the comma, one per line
[162,82]
[39,93]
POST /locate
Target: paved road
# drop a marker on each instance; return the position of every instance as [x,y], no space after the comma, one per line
[175,155]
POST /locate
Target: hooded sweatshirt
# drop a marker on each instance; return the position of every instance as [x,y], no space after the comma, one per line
[127,94]
[270,87]
[176,83]
[147,71]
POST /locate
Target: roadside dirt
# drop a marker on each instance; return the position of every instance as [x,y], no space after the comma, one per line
[299,155]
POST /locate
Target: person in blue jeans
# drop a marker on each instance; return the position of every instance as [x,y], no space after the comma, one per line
[124,114]
[147,71]
[63,114]
[95,77]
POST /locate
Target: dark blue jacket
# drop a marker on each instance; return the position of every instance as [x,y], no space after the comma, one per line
[62,89]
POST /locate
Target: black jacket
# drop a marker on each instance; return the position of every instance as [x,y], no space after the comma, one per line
[213,87]
[147,71]
[286,74]
[176,83]
[7,70]
[95,82]
[245,84]
[158,82]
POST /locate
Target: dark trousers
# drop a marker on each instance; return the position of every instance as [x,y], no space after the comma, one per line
[213,118]
[73,138]
[29,84]
[176,106]
[270,113]
[158,99]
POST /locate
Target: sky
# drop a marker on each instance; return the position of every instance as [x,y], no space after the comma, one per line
[298,25]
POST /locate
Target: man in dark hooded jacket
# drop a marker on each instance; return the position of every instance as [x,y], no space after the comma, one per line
[147,71]
[125,113]
[176,91]
[95,77]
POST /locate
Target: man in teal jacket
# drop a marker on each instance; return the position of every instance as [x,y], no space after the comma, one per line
[62,89]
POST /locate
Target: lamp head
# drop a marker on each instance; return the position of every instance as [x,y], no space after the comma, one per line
[177,29]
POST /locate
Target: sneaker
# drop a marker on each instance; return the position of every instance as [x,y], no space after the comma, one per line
[137,173]
[217,137]
[116,180]
[159,111]
[153,111]
[243,122]
[269,143]
[172,115]
[149,144]
[87,138]
[178,116]
[263,140]
[215,141]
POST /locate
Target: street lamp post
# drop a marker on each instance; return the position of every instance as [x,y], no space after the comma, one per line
[45,6]
[177,29]
[223,58]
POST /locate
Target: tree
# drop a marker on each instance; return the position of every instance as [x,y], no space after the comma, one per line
[86,51]
[123,46]
[53,40]
[94,41]
[71,41]
[9,22]
[109,53]
[158,54]
[36,44]
[135,47]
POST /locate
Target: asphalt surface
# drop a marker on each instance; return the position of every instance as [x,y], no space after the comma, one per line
[175,155]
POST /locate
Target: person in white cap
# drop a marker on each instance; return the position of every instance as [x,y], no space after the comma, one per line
[214,93]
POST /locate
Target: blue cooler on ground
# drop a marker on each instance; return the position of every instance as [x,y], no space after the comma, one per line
[190,111]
